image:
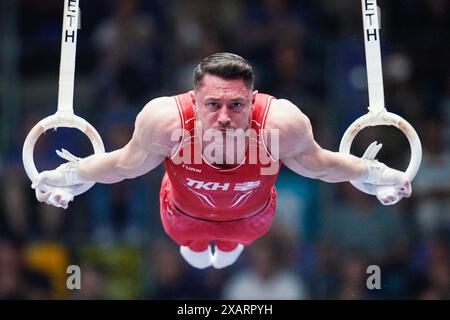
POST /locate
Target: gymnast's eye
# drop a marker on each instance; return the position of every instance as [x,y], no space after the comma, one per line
[236,106]
[213,106]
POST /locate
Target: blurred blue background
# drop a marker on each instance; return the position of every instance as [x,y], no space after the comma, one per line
[310,52]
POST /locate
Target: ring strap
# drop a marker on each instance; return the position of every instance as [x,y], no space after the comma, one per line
[68,54]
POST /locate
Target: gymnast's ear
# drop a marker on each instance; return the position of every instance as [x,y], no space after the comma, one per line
[192,94]
[254,98]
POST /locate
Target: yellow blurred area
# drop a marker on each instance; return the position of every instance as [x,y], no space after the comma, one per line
[51,259]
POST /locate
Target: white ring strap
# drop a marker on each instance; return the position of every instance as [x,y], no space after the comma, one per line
[371,24]
[68,54]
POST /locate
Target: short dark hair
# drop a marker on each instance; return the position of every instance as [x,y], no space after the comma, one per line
[225,65]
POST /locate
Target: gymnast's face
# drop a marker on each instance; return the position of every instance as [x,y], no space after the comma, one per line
[223,104]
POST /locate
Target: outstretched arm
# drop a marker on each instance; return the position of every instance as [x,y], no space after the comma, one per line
[302,154]
[148,147]
[150,144]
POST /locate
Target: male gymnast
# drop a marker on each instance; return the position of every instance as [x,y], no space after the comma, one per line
[221,145]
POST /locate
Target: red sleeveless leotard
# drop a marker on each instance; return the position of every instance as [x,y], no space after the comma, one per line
[200,201]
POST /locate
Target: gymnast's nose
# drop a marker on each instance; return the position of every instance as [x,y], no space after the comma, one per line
[224,118]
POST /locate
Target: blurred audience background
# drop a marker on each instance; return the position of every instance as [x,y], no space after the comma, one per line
[311,52]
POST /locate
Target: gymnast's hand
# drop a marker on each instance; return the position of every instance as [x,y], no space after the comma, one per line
[48,183]
[389,185]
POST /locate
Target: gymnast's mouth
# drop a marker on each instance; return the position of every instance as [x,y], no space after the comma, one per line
[224,129]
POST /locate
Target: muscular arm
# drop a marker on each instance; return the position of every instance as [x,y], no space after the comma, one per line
[150,144]
[148,147]
[302,154]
